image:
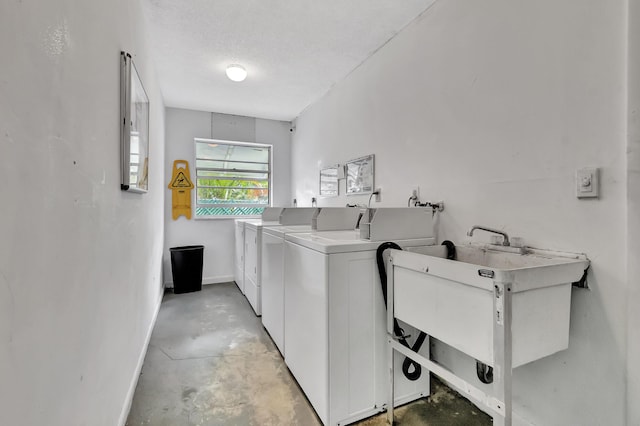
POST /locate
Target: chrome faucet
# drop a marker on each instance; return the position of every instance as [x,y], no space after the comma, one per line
[505,237]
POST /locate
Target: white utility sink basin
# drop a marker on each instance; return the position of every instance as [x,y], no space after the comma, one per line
[453,300]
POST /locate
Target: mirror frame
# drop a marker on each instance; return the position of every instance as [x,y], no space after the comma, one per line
[134,120]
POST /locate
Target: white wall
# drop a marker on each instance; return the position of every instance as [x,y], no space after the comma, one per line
[218,235]
[491,106]
[633,216]
[80,260]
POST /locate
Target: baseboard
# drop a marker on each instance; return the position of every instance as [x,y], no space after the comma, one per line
[134,380]
[208,280]
[217,280]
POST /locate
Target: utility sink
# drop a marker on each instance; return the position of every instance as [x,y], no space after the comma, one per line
[459,301]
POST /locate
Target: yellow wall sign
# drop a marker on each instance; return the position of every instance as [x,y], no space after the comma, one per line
[181,187]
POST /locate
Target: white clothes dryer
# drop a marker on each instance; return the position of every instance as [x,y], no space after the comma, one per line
[272,272]
[269,215]
[253,249]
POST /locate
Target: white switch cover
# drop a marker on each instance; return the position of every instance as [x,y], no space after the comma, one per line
[587,182]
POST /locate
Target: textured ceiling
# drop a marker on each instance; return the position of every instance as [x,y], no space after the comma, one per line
[293,50]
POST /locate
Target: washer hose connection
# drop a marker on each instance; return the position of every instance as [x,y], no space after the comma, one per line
[411,369]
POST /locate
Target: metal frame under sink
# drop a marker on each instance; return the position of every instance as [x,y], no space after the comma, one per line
[498,405]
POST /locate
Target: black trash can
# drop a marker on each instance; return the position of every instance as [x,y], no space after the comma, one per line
[186,268]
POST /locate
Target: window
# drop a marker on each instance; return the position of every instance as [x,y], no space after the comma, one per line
[232,178]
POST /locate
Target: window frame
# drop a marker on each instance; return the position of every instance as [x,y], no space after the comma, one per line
[268,172]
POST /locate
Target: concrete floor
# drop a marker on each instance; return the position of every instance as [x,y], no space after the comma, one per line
[210,362]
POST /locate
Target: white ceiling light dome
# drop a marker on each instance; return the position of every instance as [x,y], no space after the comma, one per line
[236,72]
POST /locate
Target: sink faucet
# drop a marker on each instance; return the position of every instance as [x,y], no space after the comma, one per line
[505,240]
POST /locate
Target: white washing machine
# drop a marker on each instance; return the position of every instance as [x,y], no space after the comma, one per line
[253,249]
[335,321]
[269,215]
[272,280]
[272,271]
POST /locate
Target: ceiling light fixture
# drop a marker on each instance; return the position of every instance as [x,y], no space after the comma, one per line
[236,72]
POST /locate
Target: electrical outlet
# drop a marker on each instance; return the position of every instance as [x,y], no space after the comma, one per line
[379,195]
[415,192]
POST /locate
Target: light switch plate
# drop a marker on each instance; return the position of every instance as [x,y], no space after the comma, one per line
[587,182]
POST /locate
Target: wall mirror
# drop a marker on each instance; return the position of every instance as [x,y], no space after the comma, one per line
[329,181]
[134,136]
[359,174]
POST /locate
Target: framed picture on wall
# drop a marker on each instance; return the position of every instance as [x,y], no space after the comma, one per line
[360,174]
[329,181]
[134,136]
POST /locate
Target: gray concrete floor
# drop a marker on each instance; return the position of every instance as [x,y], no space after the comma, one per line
[210,362]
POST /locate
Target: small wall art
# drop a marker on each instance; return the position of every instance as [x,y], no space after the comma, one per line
[329,181]
[360,175]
